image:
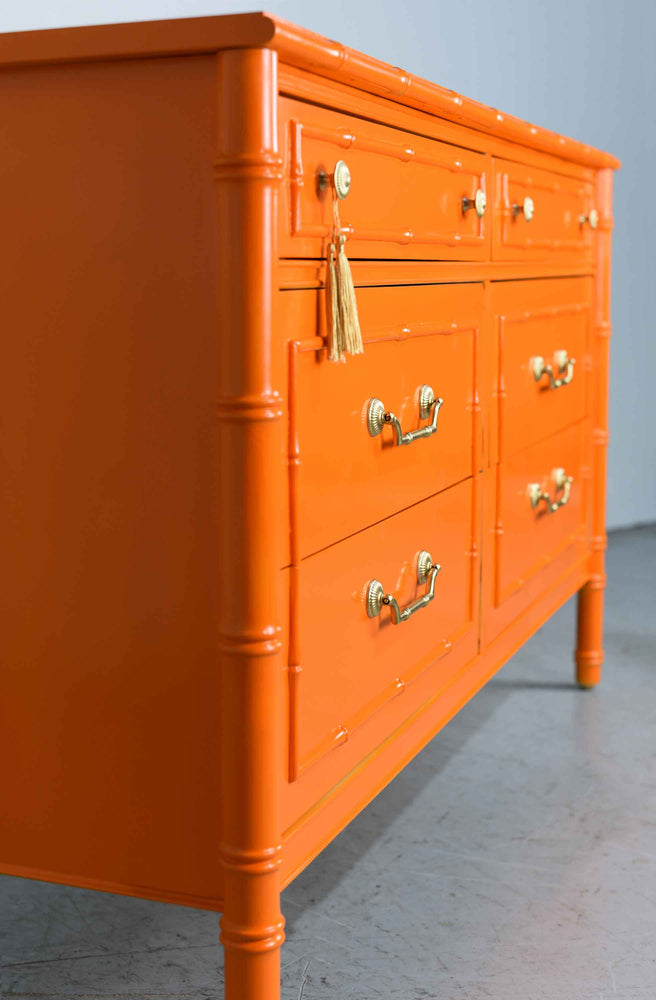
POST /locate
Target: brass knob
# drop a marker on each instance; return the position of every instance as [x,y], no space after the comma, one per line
[479,202]
[527,208]
[341,179]
[592,218]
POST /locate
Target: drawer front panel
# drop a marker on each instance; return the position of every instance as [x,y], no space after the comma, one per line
[406,194]
[552,226]
[346,478]
[349,664]
[529,538]
[548,320]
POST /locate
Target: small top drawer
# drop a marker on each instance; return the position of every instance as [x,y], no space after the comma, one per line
[538,214]
[406,195]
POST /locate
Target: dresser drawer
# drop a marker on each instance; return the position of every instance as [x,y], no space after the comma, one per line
[406,194]
[538,214]
[543,338]
[350,664]
[541,508]
[347,477]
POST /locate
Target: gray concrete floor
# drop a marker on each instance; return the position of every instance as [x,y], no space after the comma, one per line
[513,859]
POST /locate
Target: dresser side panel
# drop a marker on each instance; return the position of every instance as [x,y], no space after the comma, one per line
[109,689]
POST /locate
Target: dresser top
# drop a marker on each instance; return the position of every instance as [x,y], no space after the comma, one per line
[296,47]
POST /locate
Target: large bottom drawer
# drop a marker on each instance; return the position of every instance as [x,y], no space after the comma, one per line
[350,664]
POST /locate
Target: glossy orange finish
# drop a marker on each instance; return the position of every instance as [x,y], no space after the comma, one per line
[318,806]
[555,227]
[539,318]
[251,440]
[589,650]
[109,691]
[296,82]
[529,539]
[346,478]
[382,658]
[297,47]
[421,215]
[193,701]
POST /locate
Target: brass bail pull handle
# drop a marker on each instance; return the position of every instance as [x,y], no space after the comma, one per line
[429,406]
[563,364]
[527,209]
[563,484]
[377,599]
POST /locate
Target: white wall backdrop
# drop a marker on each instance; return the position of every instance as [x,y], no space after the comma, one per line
[581,67]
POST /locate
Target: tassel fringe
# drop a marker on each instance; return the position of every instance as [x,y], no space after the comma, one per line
[335,331]
[348,306]
[343,323]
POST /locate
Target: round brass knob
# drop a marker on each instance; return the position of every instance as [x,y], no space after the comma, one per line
[527,208]
[342,179]
[592,218]
[479,202]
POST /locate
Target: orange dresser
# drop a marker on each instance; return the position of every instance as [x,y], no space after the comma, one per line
[242,583]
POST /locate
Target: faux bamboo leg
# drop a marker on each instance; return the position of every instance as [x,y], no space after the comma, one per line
[589,650]
[251,442]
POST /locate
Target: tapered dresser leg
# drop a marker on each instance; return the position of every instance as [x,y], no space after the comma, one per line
[589,649]
[251,449]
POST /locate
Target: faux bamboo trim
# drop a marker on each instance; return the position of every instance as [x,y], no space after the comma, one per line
[298,48]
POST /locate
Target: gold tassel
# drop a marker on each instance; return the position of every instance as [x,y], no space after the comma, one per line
[348,307]
[342,309]
[334,319]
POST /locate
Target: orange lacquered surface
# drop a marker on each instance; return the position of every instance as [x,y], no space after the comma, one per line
[555,228]
[527,549]
[251,435]
[540,318]
[530,538]
[193,701]
[352,664]
[346,478]
[406,191]
[109,693]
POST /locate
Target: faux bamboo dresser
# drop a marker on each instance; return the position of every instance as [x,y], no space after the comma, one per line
[250,565]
